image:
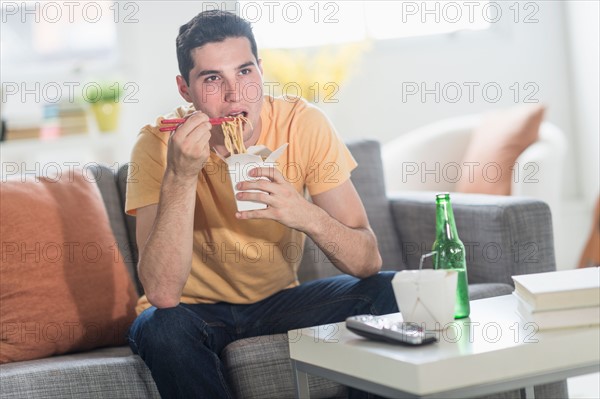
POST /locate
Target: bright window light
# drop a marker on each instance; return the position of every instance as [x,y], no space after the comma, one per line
[38,35]
[391,19]
[290,24]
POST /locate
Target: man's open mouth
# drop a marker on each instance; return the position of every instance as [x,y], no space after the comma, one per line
[240,113]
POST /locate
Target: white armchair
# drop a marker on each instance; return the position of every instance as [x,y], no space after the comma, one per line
[431,159]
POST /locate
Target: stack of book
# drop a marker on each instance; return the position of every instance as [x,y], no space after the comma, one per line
[73,119]
[569,298]
[63,119]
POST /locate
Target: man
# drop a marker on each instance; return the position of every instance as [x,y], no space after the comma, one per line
[213,275]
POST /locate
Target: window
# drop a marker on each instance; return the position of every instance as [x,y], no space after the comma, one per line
[48,50]
[40,37]
[289,24]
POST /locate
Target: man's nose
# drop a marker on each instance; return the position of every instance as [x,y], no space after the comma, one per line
[231,90]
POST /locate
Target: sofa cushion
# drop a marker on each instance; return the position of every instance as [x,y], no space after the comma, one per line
[495,146]
[101,373]
[112,188]
[64,285]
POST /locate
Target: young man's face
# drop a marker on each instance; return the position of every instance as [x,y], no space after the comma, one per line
[226,81]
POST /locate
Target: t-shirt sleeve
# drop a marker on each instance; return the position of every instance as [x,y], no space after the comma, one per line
[146,170]
[327,162]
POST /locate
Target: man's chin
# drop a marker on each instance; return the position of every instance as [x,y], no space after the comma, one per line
[248,135]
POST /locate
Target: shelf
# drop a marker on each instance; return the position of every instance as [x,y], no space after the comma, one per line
[98,147]
[71,140]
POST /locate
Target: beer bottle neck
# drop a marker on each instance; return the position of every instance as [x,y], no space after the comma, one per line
[445,225]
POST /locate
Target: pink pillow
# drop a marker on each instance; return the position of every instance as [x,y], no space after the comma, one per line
[495,146]
[64,286]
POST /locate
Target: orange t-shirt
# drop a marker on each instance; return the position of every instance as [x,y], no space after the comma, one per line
[244,261]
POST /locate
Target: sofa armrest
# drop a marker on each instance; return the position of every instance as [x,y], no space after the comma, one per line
[503,236]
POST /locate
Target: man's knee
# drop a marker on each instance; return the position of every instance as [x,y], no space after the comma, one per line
[380,281]
[159,330]
[379,287]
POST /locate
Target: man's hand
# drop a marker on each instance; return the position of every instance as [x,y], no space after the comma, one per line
[284,203]
[189,146]
[336,221]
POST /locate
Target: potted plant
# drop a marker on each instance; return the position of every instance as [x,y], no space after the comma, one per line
[104,99]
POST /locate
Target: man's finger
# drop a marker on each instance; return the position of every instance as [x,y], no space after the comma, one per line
[269,172]
[253,196]
[257,214]
[194,121]
[262,185]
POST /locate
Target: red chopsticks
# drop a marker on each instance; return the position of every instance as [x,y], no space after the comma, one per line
[176,122]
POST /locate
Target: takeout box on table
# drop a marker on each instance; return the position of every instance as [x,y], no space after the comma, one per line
[240,165]
[426,297]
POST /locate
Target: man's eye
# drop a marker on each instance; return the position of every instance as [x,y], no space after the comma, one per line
[245,71]
[211,79]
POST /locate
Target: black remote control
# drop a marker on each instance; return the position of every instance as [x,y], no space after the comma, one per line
[381,328]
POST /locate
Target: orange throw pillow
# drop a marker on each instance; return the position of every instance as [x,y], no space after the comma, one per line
[63,284]
[495,146]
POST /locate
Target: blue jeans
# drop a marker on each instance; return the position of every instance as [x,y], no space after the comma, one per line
[181,345]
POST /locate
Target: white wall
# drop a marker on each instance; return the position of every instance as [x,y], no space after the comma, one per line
[584,45]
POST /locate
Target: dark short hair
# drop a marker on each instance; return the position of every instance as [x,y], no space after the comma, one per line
[209,27]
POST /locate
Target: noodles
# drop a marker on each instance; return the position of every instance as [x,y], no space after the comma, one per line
[234,135]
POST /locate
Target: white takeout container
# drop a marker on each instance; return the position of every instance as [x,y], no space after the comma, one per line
[426,297]
[239,165]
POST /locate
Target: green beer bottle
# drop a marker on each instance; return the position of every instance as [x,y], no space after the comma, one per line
[450,252]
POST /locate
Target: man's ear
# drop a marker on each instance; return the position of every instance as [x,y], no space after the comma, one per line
[183,89]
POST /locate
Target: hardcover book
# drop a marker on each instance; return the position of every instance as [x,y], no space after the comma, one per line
[559,290]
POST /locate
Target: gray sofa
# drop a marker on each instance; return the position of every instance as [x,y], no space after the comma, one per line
[504,236]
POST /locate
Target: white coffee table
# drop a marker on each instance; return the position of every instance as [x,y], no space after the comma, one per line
[491,351]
